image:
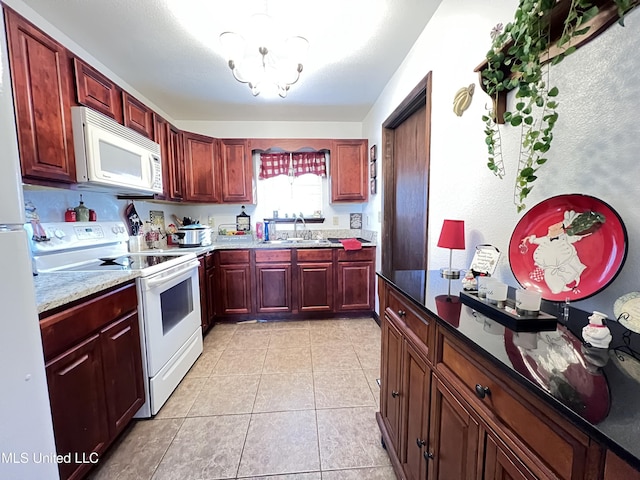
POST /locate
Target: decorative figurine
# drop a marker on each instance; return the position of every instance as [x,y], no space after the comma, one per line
[469,282]
[597,334]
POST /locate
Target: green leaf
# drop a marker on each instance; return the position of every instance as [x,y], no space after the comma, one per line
[528,120]
[526,172]
[520,105]
[589,14]
[553,92]
[516,120]
[541,161]
[531,178]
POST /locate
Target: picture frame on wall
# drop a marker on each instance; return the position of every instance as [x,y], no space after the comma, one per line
[372,153]
[372,186]
[372,170]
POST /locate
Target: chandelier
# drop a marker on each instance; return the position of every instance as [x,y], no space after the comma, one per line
[262,58]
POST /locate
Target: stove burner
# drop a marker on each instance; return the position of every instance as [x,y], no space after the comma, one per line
[109,261]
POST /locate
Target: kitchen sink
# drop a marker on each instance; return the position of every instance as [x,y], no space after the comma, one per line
[296,241]
[337,240]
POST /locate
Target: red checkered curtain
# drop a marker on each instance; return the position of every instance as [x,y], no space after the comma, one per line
[274,164]
[309,162]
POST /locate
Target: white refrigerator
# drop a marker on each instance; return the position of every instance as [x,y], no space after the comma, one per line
[27,446]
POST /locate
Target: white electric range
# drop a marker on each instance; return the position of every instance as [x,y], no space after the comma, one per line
[168,295]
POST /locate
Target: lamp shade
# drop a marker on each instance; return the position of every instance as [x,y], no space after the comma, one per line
[452,235]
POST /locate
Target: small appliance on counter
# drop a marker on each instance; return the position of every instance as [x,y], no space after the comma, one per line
[194,235]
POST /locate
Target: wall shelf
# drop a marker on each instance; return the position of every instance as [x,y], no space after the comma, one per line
[291,220]
[607,16]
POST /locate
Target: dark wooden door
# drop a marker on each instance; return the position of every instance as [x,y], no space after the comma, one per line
[235,289]
[417,387]
[96,91]
[201,174]
[273,283]
[237,171]
[123,375]
[176,188]
[406,140]
[392,395]
[454,438]
[42,89]
[355,286]
[137,115]
[502,464]
[204,293]
[349,172]
[78,409]
[315,287]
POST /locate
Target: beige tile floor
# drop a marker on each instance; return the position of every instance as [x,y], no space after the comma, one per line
[274,400]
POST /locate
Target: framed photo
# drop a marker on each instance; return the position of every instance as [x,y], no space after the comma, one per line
[372,169]
[372,153]
[372,186]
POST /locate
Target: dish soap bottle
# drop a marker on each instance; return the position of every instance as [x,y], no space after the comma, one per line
[82,212]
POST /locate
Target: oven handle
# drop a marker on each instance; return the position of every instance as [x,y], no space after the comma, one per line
[151,283]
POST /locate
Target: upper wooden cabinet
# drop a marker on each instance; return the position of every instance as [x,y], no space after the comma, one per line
[349,171]
[96,91]
[236,171]
[42,84]
[137,115]
[171,148]
[201,172]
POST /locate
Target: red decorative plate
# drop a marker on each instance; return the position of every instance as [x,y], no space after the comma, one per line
[568,247]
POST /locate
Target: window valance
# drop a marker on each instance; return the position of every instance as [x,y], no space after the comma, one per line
[292,164]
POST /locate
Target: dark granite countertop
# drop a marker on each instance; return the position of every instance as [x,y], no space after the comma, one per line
[596,389]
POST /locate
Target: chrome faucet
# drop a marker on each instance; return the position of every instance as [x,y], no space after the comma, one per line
[295,224]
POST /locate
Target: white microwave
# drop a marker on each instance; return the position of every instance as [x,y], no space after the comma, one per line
[113,156]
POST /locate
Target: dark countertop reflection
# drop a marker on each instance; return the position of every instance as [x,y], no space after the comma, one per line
[596,389]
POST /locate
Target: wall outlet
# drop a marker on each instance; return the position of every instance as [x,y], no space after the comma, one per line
[336,221]
[211,221]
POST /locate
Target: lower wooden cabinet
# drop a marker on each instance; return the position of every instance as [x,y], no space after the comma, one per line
[94,372]
[446,412]
[273,281]
[234,281]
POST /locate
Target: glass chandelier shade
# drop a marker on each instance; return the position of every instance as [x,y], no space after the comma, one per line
[262,59]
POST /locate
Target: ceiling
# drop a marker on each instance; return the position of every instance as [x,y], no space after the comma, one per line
[169,51]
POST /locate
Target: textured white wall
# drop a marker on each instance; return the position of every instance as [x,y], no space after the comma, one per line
[595,146]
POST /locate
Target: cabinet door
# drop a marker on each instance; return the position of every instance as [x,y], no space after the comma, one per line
[454,438]
[391,395]
[175,186]
[96,91]
[349,171]
[355,286]
[137,115]
[41,77]
[235,289]
[122,366]
[204,294]
[77,396]
[212,291]
[273,281]
[161,137]
[502,464]
[201,173]
[417,386]
[315,287]
[237,171]
[616,469]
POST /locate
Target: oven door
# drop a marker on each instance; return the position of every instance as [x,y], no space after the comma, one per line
[170,303]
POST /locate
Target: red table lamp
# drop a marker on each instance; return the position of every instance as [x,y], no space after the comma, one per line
[451,237]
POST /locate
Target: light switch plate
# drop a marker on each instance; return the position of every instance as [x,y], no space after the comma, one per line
[336,221]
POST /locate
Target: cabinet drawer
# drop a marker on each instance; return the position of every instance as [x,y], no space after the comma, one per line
[356,255]
[315,254]
[417,323]
[273,256]
[229,257]
[62,330]
[562,450]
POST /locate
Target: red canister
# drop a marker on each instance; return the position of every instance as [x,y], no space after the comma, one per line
[70,215]
[92,216]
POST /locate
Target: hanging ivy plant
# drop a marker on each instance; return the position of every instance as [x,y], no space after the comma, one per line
[519,60]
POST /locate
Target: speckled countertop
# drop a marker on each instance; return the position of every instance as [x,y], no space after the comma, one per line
[60,288]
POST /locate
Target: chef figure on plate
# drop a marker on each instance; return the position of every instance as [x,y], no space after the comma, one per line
[556,259]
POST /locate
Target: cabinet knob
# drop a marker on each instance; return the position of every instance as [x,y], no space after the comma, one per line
[402,313]
[421,443]
[481,391]
[428,455]
[395,394]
